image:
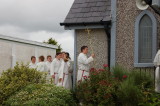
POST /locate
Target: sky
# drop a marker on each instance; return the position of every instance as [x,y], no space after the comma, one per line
[37,20]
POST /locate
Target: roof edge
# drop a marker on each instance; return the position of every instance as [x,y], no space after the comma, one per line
[86,23]
[19,40]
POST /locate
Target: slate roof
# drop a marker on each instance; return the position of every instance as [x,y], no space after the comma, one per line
[89,11]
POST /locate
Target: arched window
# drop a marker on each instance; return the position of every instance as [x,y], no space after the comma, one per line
[145,39]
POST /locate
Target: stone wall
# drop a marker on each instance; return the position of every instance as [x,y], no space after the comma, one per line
[99,44]
[126,16]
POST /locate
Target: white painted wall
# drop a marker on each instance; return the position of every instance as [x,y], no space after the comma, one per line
[12,52]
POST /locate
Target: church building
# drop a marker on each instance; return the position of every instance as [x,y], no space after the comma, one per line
[119,32]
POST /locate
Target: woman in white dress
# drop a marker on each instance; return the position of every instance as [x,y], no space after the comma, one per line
[64,77]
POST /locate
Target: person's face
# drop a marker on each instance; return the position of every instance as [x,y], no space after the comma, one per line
[49,59]
[63,54]
[39,60]
[85,51]
[59,56]
[33,60]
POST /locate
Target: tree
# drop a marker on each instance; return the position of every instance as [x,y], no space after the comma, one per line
[54,42]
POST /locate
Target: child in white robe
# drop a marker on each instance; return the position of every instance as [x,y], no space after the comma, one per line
[64,74]
[55,66]
[33,62]
[41,66]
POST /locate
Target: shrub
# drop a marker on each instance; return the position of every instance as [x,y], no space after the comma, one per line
[128,93]
[142,79]
[120,87]
[15,79]
[99,89]
[42,95]
[119,72]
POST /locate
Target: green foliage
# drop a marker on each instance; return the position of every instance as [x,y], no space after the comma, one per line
[142,78]
[121,87]
[54,42]
[99,89]
[42,95]
[150,98]
[119,72]
[128,93]
[15,79]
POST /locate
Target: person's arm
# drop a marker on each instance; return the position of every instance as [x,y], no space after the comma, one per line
[85,60]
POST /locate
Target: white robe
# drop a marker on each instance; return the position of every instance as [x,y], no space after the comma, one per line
[64,75]
[83,66]
[55,66]
[48,66]
[157,72]
[32,65]
[42,67]
[70,73]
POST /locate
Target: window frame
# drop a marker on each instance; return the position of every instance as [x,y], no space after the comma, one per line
[154,39]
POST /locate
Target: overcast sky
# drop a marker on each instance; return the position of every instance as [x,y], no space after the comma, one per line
[36,20]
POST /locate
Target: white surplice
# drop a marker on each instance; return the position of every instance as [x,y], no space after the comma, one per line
[55,66]
[83,66]
[32,65]
[64,75]
[48,66]
[42,67]
[157,72]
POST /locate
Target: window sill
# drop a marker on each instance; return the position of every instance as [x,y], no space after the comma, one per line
[143,65]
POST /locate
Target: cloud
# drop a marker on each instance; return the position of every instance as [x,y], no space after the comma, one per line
[36,20]
[35,15]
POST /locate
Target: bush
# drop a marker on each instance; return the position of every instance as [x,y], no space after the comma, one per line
[42,95]
[99,89]
[121,87]
[128,93]
[15,79]
[119,72]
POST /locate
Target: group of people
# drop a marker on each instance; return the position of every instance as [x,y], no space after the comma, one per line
[61,69]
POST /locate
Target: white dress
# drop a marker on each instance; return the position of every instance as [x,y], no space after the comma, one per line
[42,67]
[83,66]
[64,74]
[157,72]
[32,65]
[55,66]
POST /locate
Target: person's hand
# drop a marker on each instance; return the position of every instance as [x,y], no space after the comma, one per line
[53,76]
[93,55]
[60,79]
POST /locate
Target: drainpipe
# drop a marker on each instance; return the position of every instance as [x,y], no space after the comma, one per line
[75,61]
[108,33]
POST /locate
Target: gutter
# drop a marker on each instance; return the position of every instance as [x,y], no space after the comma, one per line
[86,23]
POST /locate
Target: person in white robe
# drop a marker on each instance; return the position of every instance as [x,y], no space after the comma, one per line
[33,62]
[84,63]
[41,66]
[64,78]
[157,72]
[70,65]
[55,66]
[48,63]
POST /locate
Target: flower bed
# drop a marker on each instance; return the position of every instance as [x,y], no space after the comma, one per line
[120,87]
